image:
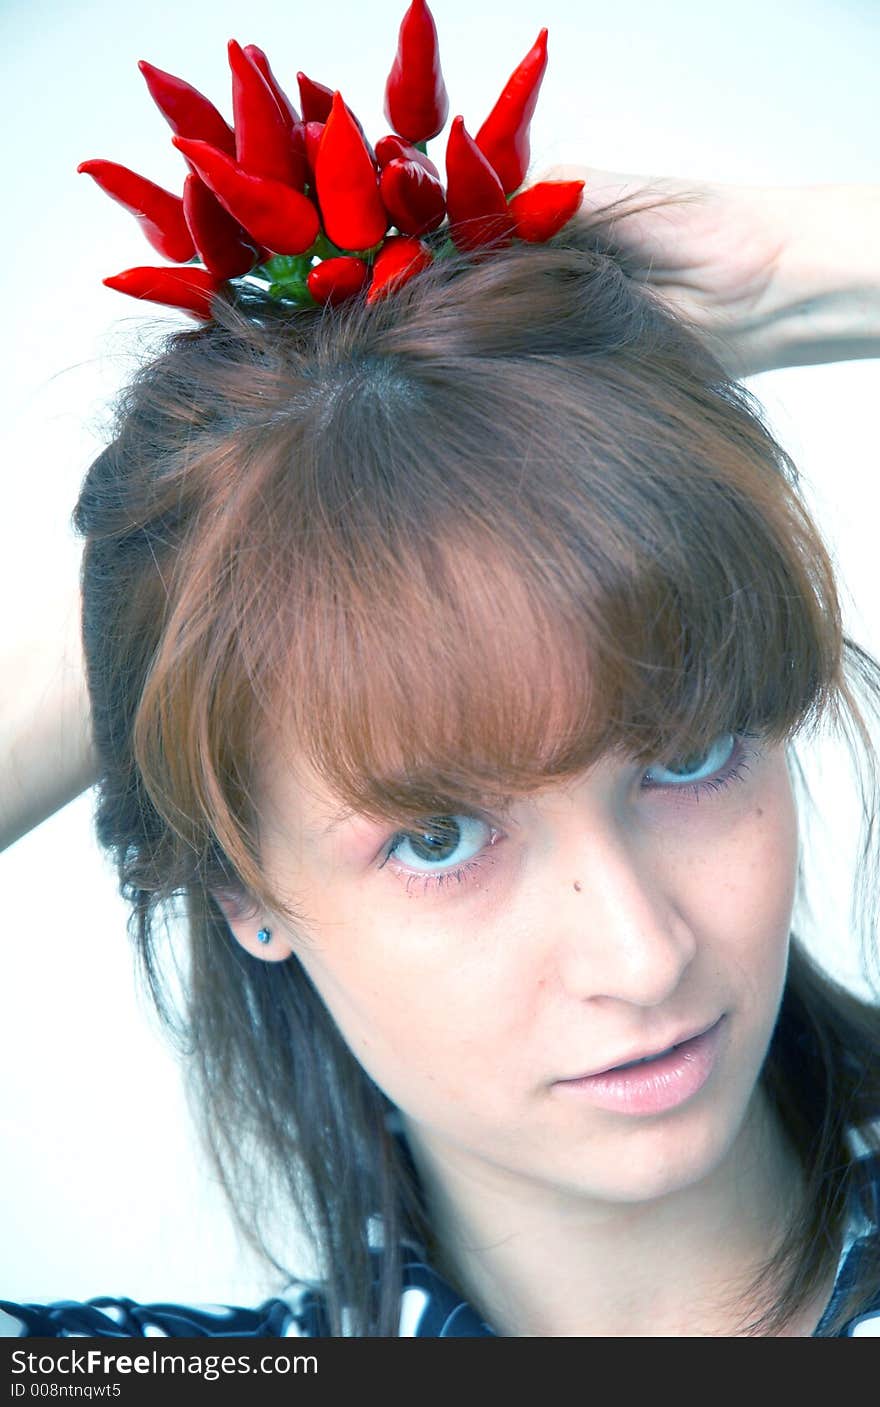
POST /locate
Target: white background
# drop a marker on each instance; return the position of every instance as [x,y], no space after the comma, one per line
[102,1191]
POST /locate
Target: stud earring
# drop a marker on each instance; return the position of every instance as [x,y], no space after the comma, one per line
[264,935]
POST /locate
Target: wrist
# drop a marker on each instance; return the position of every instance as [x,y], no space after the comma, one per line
[823,303]
[832,238]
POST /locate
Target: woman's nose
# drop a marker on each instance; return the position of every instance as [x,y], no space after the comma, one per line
[619,932]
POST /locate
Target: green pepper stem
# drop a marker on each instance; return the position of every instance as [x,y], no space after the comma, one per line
[323,248]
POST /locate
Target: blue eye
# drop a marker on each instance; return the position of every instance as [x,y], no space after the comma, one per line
[729,749]
[442,839]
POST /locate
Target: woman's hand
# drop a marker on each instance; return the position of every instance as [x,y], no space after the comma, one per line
[773,276]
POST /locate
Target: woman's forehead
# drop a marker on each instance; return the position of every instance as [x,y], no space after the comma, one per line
[292,792]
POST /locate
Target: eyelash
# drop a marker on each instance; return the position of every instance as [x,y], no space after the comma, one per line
[734,771]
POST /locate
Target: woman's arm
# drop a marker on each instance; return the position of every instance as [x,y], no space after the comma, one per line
[823,304]
[46,752]
[771,276]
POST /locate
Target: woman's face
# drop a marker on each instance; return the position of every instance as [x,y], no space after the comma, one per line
[477,969]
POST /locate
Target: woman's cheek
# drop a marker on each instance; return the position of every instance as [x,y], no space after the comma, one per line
[422,1024]
[760,891]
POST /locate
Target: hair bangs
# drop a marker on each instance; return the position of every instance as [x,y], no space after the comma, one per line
[457,658]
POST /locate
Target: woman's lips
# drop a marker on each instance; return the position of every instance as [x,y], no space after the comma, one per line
[658,1050]
[653,1084]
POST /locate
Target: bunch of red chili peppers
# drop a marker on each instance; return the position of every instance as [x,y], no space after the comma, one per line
[279,190]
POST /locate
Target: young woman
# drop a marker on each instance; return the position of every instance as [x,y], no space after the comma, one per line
[446,657]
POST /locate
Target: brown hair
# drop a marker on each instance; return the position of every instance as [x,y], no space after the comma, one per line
[336,529]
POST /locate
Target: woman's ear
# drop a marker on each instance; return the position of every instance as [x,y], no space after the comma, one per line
[247,926]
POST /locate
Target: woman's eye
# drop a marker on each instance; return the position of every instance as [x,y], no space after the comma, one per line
[709,769]
[446,850]
[445,839]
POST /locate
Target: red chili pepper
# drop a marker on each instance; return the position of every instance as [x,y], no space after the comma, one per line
[414,199]
[312,132]
[317,102]
[188,112]
[301,167]
[224,247]
[315,98]
[416,101]
[188,288]
[391,147]
[334,280]
[347,183]
[542,209]
[399,260]
[258,58]
[300,158]
[279,217]
[158,212]
[504,136]
[263,142]
[475,200]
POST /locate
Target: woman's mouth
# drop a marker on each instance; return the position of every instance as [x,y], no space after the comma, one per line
[652,1084]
